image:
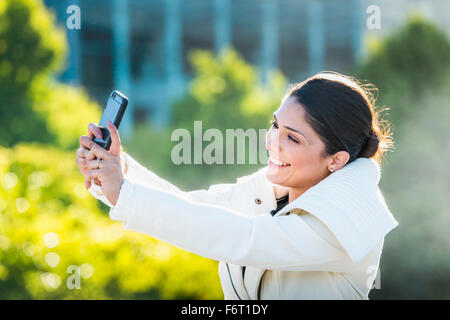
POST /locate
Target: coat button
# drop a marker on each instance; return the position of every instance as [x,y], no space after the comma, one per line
[258,201]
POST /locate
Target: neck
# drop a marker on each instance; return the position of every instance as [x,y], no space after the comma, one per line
[295,193]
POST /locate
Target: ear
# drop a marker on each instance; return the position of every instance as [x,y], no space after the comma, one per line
[338,160]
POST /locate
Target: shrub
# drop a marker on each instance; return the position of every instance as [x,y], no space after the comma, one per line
[49,222]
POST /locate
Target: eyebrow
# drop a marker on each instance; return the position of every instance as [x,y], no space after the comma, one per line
[292,129]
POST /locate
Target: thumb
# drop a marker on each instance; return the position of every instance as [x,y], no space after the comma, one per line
[115,139]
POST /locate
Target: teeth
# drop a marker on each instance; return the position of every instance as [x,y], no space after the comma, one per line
[279,162]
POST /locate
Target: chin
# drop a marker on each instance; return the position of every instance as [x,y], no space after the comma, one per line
[277,177]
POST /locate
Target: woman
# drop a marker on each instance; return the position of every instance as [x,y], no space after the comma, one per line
[310,225]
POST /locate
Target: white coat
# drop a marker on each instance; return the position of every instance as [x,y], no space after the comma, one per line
[330,249]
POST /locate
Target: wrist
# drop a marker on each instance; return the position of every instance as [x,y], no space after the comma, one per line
[123,207]
[116,198]
[123,163]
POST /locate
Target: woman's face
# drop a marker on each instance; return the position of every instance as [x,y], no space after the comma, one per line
[292,141]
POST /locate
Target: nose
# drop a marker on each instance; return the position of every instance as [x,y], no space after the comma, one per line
[273,142]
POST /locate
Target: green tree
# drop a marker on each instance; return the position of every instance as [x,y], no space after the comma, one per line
[226,92]
[67,111]
[406,65]
[32,106]
[30,48]
[411,68]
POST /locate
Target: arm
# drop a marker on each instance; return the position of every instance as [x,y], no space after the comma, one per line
[284,243]
[219,194]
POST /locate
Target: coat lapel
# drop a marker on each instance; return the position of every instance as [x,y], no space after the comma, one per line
[237,281]
[252,281]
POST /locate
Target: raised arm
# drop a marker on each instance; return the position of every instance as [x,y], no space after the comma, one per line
[225,234]
[219,194]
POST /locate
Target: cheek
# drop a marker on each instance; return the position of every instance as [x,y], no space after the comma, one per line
[305,160]
[298,157]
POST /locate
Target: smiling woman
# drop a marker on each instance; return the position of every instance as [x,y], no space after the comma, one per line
[291,230]
[323,123]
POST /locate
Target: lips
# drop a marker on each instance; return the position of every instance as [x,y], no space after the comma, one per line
[278,163]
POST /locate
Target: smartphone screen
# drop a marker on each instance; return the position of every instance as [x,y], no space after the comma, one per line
[114,110]
[110,112]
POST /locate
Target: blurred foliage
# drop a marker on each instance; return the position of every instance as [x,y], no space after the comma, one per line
[67,110]
[408,64]
[225,93]
[30,44]
[32,107]
[49,222]
[412,71]
[416,183]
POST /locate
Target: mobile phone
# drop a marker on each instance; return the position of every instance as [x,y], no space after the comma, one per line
[114,110]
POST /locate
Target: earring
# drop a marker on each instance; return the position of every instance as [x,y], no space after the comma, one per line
[331,170]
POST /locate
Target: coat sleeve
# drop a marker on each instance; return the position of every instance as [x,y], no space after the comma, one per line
[290,243]
[219,194]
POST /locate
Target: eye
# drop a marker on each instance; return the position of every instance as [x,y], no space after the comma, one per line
[293,139]
[275,125]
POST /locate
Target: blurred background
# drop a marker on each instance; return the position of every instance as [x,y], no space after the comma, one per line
[227,63]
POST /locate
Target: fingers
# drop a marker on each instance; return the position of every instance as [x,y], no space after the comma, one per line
[90,150]
[92,164]
[115,147]
[94,150]
[107,164]
[88,182]
[82,152]
[94,174]
[94,130]
[97,152]
[81,163]
[81,160]
[86,142]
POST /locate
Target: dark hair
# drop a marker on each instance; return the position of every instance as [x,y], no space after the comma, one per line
[342,112]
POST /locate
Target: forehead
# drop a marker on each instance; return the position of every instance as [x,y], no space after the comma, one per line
[291,113]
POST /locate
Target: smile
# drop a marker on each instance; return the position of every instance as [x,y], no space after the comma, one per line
[277,163]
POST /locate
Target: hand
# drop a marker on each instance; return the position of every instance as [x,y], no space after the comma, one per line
[93,130]
[109,173]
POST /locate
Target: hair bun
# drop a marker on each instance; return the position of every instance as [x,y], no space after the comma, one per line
[370,147]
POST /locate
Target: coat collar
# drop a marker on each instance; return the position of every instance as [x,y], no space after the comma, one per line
[350,203]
